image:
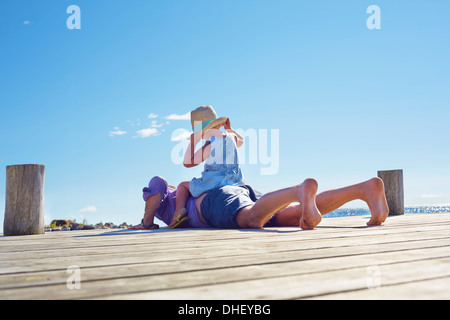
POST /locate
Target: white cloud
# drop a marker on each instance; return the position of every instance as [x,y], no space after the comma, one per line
[156,125]
[117,132]
[186,116]
[26,22]
[89,209]
[144,133]
[430,196]
[152,116]
[180,135]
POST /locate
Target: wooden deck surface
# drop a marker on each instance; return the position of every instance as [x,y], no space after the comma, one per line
[406,258]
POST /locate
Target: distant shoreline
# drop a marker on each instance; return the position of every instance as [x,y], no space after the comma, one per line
[350,212]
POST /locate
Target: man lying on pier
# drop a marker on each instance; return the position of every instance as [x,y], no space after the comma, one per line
[233,207]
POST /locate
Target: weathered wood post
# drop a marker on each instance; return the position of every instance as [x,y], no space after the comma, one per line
[24,203]
[393,186]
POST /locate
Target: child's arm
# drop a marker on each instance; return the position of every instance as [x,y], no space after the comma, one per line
[239,139]
[193,159]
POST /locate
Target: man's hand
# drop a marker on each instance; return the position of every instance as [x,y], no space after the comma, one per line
[141,227]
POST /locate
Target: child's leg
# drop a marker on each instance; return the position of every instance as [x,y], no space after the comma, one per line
[181,199]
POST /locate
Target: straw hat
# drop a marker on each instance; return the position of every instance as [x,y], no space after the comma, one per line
[204,118]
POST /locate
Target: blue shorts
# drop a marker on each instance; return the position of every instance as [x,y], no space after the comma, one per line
[221,205]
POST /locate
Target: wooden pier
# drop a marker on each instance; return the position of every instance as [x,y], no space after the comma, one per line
[406,258]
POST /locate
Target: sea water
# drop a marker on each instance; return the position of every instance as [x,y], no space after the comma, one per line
[348,212]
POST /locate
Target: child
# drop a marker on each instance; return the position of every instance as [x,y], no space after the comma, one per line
[220,156]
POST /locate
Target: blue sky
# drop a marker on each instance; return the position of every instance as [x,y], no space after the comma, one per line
[347,101]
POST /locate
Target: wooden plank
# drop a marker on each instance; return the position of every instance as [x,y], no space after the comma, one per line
[302,286]
[248,259]
[103,237]
[350,222]
[193,264]
[10,252]
[157,254]
[137,264]
[134,278]
[292,246]
[434,289]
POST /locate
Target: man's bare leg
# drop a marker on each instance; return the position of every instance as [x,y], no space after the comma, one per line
[370,191]
[257,215]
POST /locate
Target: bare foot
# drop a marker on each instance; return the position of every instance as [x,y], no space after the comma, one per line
[376,200]
[311,216]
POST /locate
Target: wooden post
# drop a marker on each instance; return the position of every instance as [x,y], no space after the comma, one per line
[393,186]
[24,203]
